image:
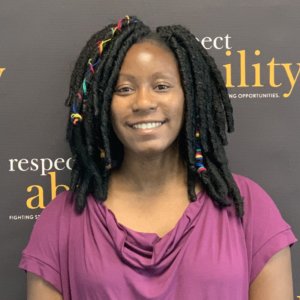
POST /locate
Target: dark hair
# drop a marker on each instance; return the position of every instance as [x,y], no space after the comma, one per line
[95,147]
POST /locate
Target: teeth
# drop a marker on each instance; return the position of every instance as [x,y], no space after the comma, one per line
[147,125]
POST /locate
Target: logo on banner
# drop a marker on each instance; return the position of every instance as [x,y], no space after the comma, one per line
[275,70]
[35,194]
[254,71]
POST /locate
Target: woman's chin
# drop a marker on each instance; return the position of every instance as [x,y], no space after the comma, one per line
[152,151]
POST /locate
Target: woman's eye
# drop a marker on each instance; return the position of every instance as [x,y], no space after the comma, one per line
[123,90]
[162,87]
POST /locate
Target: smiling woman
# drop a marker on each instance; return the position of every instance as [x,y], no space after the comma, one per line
[154,211]
[148,104]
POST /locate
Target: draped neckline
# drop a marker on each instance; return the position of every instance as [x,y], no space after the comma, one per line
[146,250]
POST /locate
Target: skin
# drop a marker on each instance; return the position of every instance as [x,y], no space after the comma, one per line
[39,289]
[152,173]
[148,90]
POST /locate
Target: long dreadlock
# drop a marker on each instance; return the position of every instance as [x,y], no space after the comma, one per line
[96,149]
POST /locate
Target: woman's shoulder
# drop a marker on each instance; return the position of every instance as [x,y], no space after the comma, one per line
[48,226]
[61,205]
[245,183]
[258,204]
[266,231]
[62,201]
[42,253]
[254,195]
[262,219]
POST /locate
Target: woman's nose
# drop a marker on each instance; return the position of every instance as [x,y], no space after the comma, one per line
[144,101]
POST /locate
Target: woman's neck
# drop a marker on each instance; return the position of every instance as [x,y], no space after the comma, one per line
[148,174]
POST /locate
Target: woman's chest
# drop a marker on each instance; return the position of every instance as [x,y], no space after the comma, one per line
[211,261]
[157,216]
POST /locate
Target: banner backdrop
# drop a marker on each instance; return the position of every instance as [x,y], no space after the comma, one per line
[255,44]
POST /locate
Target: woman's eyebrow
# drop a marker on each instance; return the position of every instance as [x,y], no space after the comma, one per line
[167,75]
[126,76]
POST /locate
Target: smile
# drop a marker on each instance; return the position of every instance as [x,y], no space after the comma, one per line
[148,125]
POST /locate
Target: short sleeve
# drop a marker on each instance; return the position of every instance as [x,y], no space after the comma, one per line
[41,255]
[266,232]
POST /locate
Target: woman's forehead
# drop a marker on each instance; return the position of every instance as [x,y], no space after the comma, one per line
[148,59]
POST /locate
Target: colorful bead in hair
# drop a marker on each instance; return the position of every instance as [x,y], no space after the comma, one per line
[83,92]
[91,66]
[75,116]
[198,155]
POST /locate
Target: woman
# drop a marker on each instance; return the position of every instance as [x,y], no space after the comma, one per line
[154,211]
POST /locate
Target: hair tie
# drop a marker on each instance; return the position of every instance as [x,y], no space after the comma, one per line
[75,117]
[74,108]
[113,30]
[101,45]
[84,87]
[198,155]
[91,65]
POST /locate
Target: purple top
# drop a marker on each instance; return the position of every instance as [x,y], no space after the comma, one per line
[210,254]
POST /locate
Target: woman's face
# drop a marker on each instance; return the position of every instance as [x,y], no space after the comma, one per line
[148,102]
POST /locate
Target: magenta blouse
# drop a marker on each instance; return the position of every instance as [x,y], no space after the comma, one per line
[210,254]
